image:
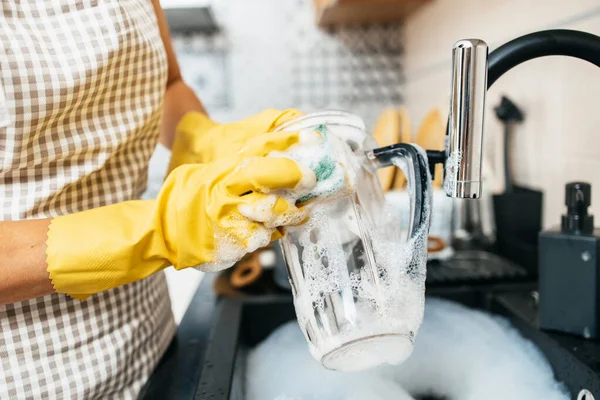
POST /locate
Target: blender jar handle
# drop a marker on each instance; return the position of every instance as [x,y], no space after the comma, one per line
[413,163]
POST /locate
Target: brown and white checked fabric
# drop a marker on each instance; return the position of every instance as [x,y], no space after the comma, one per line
[83,83]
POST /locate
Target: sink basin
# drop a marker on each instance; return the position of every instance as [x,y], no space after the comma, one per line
[206,359]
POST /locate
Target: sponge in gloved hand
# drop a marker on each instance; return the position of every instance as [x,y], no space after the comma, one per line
[332,161]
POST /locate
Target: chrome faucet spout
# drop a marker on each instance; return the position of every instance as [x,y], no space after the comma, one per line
[467,104]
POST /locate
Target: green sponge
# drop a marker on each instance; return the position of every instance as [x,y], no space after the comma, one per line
[331,176]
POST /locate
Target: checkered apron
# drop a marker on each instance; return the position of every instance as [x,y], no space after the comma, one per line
[81,93]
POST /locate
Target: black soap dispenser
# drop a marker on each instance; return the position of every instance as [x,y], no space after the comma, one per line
[569,269]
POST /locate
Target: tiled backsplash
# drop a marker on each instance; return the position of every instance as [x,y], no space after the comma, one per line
[559,140]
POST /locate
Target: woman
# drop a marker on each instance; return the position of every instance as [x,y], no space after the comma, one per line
[86,89]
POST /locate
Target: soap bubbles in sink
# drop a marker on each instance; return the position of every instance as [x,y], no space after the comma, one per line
[459,354]
[281,368]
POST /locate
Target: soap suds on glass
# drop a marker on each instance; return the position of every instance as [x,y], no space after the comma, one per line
[373,267]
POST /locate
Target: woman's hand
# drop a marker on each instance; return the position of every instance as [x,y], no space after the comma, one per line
[201,140]
[206,215]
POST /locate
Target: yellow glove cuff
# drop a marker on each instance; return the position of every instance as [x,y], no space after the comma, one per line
[105,247]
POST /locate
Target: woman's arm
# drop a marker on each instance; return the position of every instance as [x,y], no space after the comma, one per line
[179,98]
[23,266]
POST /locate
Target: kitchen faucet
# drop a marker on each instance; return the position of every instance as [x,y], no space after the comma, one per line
[472,74]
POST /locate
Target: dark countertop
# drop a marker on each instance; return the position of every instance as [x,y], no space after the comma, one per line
[575,360]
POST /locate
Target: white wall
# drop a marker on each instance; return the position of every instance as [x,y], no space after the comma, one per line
[560,139]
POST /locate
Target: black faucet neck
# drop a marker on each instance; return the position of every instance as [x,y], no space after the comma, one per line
[556,42]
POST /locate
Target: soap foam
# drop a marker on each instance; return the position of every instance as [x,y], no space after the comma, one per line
[259,211]
[262,211]
[460,353]
[228,250]
[281,368]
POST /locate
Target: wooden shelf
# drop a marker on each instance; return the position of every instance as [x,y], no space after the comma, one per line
[332,13]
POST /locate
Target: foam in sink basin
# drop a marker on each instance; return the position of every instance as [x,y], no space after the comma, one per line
[459,354]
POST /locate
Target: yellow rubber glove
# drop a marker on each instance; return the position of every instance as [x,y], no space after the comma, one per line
[206,215]
[201,140]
